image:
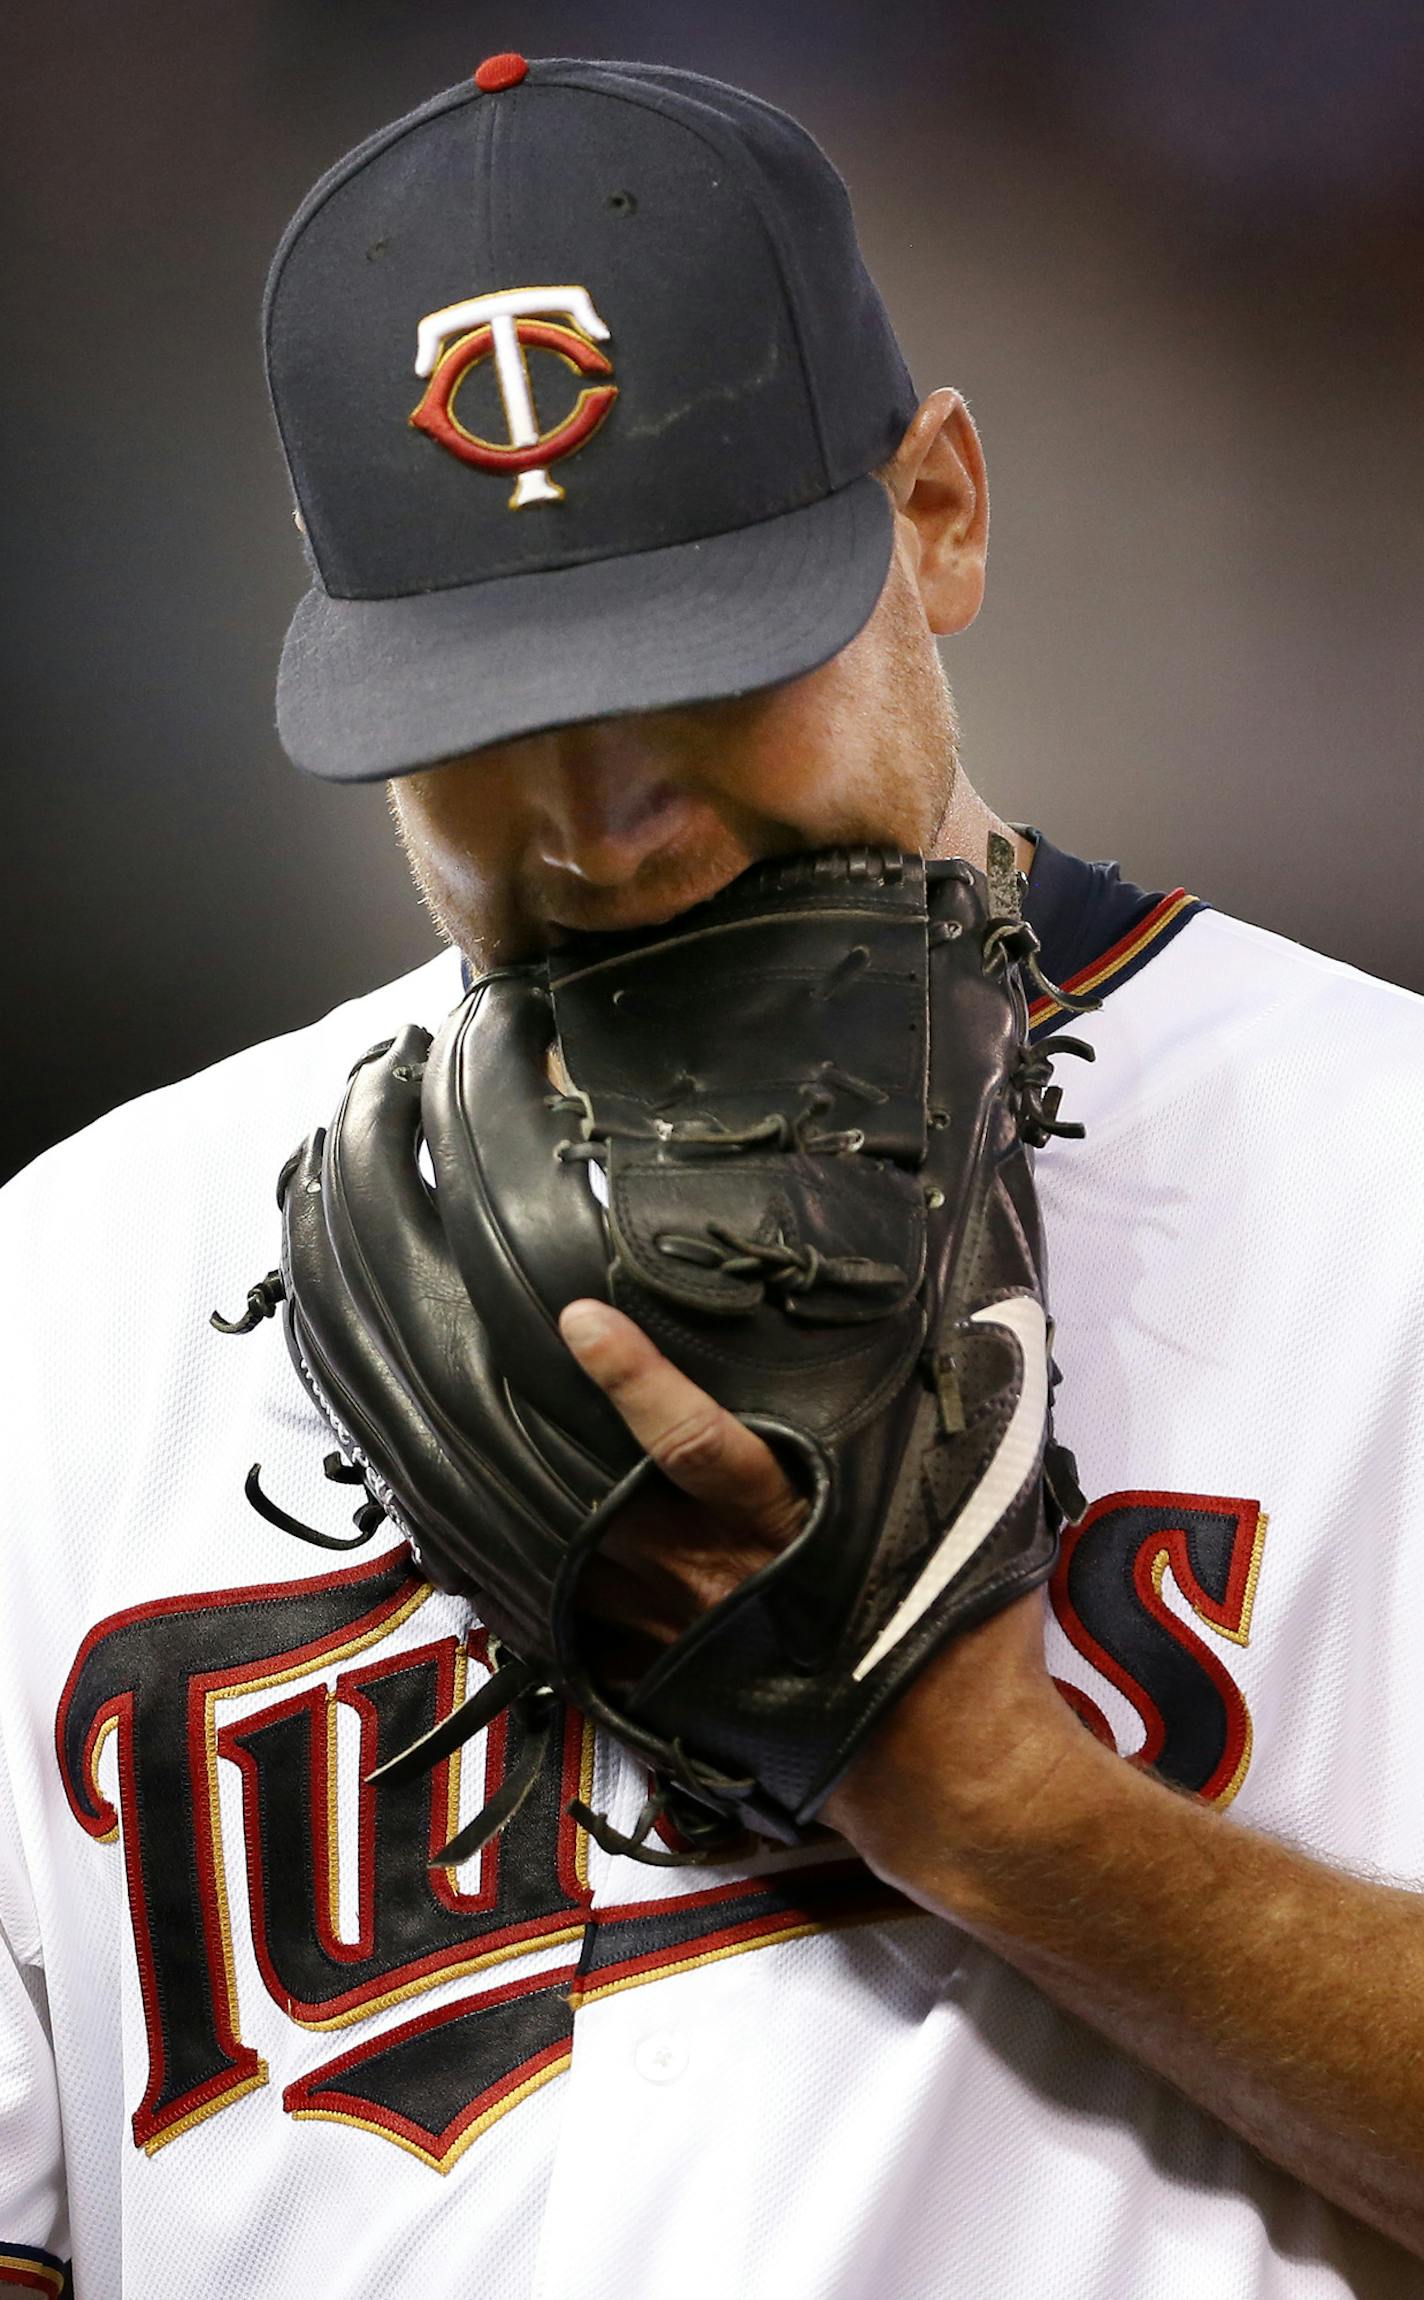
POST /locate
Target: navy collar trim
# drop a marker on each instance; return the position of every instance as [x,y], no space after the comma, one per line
[1096,929]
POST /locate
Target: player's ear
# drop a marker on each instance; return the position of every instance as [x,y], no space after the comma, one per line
[941,496]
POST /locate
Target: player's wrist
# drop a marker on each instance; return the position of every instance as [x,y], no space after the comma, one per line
[987,1834]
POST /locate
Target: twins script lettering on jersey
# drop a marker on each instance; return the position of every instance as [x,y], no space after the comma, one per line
[155,1680]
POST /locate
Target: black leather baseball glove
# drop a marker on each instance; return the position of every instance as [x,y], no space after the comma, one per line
[789,1134]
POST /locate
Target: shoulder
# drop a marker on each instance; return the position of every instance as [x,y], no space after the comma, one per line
[129,1423]
[1265,974]
[1230,1010]
[221,1107]
[1245,1116]
[130,1224]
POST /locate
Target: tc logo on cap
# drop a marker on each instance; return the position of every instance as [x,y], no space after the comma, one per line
[503,325]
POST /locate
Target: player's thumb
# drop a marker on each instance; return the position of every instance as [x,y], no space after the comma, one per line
[695,1442]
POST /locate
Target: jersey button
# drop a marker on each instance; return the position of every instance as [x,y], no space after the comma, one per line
[661,2056]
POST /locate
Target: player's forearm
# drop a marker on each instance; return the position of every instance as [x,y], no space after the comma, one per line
[1284,1996]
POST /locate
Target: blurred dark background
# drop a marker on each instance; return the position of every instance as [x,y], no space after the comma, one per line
[1172,256]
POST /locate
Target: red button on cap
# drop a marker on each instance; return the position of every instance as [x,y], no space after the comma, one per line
[500,72]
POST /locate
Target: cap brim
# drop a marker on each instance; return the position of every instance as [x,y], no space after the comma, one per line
[375,687]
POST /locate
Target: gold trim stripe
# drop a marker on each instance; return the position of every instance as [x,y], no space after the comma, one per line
[1121,955]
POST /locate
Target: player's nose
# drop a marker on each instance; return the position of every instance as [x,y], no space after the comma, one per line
[606,797]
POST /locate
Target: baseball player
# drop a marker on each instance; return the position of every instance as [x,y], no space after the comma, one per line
[630,540]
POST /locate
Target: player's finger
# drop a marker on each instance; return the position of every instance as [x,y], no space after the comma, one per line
[694,1441]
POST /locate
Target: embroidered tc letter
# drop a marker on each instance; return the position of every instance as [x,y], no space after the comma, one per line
[505,324]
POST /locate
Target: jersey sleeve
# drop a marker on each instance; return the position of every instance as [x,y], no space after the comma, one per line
[34,2235]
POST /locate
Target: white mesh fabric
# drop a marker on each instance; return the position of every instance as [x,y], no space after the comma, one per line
[885,2109]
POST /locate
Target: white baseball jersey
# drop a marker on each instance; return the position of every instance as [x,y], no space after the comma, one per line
[252,2044]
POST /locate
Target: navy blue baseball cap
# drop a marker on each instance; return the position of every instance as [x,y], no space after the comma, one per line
[582,382]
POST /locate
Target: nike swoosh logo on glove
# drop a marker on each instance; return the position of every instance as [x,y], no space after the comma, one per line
[1012,1461]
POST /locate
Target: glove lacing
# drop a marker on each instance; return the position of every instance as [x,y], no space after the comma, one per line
[514,1684]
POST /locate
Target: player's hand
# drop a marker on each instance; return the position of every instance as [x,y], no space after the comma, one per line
[667,1558]
[973,1737]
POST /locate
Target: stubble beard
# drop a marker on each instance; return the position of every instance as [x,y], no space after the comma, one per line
[907,797]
